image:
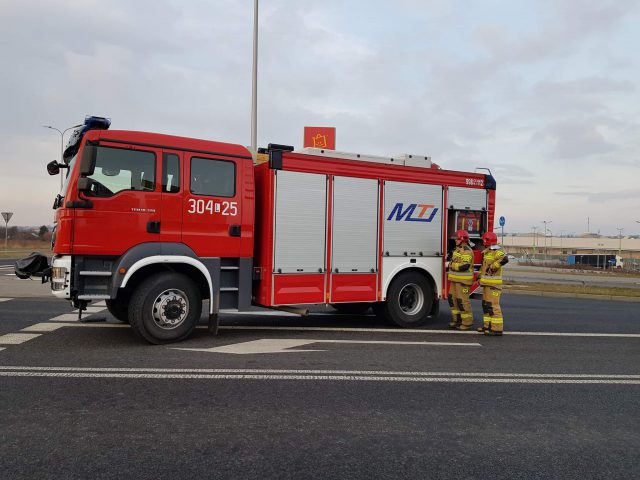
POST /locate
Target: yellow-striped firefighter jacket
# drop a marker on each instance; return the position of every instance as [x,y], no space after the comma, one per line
[461,265]
[493,259]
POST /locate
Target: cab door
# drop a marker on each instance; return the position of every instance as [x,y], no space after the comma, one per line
[211,220]
[125,201]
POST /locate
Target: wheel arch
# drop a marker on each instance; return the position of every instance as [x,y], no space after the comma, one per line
[190,267]
[423,271]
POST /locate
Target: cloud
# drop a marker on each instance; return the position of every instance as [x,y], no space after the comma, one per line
[572,140]
[599,197]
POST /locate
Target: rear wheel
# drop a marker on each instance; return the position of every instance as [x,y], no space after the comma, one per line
[165,308]
[118,309]
[409,300]
[351,308]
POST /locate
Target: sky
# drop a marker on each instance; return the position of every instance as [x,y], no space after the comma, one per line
[544,93]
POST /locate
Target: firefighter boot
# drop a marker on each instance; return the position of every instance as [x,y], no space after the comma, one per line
[486,317]
[467,322]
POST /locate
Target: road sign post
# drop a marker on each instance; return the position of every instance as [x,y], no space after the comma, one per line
[6,216]
[502,222]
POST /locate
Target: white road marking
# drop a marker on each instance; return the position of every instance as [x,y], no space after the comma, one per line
[90,310]
[73,317]
[281,371]
[17,338]
[316,375]
[65,317]
[43,327]
[282,345]
[2,348]
[417,330]
[5,299]
[101,303]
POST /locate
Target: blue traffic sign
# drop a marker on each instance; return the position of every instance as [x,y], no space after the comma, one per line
[502,221]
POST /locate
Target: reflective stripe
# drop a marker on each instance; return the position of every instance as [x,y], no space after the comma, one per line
[490,281]
[455,312]
[466,315]
[461,276]
[496,321]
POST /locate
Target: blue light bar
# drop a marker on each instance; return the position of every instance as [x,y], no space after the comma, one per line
[90,123]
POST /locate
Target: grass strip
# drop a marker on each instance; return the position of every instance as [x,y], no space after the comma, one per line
[561,288]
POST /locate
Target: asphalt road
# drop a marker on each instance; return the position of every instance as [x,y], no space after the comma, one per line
[338,397]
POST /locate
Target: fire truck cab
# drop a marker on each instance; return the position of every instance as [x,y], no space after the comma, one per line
[154,224]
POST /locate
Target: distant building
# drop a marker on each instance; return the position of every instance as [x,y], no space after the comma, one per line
[536,246]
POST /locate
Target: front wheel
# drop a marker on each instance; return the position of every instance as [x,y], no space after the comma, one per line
[165,308]
[409,300]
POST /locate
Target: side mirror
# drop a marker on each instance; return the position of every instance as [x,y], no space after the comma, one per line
[88,160]
[53,167]
[84,184]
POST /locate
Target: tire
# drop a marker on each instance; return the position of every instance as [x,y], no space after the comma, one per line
[409,300]
[165,308]
[351,308]
[120,310]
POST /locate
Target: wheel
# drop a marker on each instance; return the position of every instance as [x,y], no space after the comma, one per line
[351,308]
[118,309]
[165,308]
[409,300]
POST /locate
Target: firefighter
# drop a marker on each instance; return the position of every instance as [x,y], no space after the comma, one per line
[461,277]
[493,259]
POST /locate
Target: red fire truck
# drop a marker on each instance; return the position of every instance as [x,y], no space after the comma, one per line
[155,224]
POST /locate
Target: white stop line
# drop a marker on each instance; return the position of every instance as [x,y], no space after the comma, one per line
[317,375]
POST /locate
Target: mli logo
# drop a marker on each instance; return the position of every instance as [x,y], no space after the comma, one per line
[408,214]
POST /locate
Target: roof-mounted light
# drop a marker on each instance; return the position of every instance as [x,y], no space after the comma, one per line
[96,123]
[90,123]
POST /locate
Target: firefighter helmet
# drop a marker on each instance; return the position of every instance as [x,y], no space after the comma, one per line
[462,235]
[490,238]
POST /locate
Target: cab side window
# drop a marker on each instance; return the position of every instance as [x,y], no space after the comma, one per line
[216,178]
[119,169]
[170,173]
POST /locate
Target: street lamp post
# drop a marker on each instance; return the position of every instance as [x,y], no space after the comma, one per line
[620,241]
[545,236]
[254,83]
[61,132]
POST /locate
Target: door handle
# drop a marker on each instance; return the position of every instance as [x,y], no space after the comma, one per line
[235,230]
[153,226]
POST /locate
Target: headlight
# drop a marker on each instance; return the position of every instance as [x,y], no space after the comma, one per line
[58,273]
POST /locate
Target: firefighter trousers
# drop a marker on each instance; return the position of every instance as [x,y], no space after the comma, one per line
[460,304]
[492,314]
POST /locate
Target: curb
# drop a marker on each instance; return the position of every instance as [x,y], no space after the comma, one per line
[538,293]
